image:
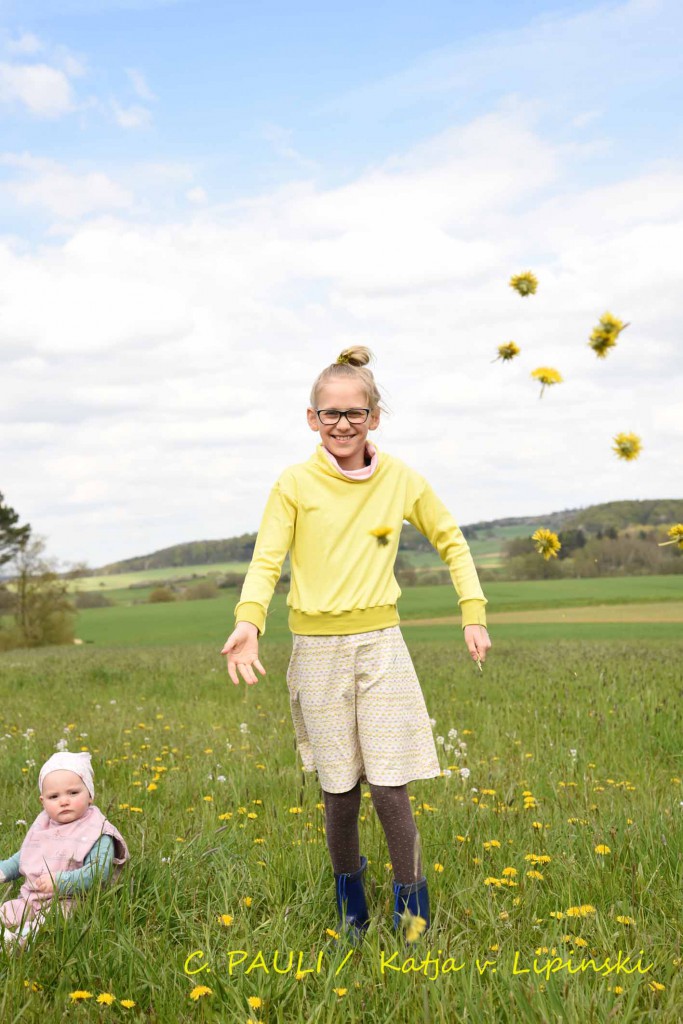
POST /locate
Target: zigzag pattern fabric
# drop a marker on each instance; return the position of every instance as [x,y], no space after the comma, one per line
[358,710]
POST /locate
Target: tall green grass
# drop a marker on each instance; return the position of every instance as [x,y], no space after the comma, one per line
[229,751]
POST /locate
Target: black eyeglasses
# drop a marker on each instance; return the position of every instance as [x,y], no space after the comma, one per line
[328,417]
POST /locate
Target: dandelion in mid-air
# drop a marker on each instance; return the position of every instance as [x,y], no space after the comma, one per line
[547,376]
[506,352]
[382,534]
[547,543]
[676,534]
[524,284]
[604,336]
[627,446]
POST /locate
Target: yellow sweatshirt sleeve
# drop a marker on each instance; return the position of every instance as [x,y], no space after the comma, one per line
[272,544]
[434,521]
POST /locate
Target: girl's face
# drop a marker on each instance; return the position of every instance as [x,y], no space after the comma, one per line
[64,796]
[345,440]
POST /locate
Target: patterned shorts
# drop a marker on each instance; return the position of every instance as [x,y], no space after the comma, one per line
[358,710]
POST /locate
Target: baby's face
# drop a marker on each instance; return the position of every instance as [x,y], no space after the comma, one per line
[64,796]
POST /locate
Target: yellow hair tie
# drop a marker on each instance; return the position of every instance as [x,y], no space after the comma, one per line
[343,358]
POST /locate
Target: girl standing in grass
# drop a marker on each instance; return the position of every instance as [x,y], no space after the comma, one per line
[357,706]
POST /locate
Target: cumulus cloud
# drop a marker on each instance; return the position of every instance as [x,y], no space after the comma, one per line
[134,116]
[170,363]
[60,191]
[42,90]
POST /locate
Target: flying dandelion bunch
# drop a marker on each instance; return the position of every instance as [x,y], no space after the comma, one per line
[547,543]
[676,534]
[547,376]
[524,284]
[604,336]
[507,352]
[627,446]
[382,534]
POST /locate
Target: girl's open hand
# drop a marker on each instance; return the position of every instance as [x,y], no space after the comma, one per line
[478,642]
[241,649]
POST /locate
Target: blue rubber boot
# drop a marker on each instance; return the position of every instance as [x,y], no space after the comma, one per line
[351,902]
[413,897]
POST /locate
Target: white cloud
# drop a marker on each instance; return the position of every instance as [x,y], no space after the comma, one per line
[197,196]
[25,44]
[43,90]
[171,363]
[63,193]
[131,117]
[139,83]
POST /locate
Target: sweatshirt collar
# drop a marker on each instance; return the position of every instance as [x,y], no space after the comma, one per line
[329,465]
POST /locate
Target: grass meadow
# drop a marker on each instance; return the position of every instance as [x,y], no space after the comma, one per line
[555,867]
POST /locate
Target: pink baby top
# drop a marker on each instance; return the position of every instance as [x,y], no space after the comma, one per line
[51,847]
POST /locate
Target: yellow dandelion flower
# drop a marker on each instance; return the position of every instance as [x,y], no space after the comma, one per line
[295,810]
[255,1002]
[300,975]
[252,815]
[331,932]
[557,914]
[127,1004]
[208,799]
[504,916]
[622,919]
[535,874]
[226,816]
[200,990]
[676,534]
[340,991]
[525,283]
[547,544]
[492,881]
[627,446]
[547,376]
[105,998]
[583,911]
[604,336]
[414,925]
[259,841]
[491,844]
[618,989]
[509,872]
[438,867]
[507,352]
[602,849]
[655,986]
[79,994]
[382,534]
[225,919]
[578,941]
[247,900]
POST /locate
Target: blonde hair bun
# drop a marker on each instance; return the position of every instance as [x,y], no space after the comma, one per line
[352,364]
[357,355]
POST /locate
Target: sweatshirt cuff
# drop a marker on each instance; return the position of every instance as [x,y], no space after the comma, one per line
[473,612]
[249,611]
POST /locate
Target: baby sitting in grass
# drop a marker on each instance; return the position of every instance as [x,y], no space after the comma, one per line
[67,849]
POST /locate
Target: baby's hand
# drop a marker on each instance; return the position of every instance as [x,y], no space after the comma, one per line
[44,884]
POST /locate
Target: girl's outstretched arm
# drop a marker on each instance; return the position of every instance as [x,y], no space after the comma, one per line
[241,649]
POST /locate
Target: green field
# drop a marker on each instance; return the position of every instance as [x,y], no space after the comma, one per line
[202,779]
[197,621]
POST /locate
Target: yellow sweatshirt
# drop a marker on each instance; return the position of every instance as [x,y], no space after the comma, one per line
[342,577]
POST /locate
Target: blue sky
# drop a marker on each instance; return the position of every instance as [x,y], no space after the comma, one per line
[201,201]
